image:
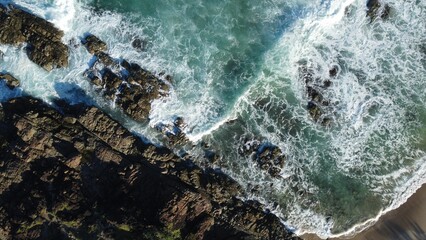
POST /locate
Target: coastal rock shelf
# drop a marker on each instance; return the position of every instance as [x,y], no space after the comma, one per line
[76,173]
[123,119]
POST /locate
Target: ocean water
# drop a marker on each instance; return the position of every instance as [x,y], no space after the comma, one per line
[236,78]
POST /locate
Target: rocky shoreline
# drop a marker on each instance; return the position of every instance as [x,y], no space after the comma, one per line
[73,172]
[128,85]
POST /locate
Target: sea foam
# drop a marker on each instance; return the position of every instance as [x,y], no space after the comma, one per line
[224,70]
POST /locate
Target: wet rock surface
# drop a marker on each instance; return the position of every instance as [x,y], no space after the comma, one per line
[11,81]
[173,132]
[139,44]
[377,9]
[43,39]
[94,45]
[318,107]
[130,86]
[267,156]
[73,172]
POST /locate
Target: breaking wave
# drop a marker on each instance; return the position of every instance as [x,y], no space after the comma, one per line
[246,72]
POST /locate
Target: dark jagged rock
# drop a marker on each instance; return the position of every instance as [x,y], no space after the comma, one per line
[94,44]
[131,87]
[174,132]
[139,44]
[317,106]
[44,46]
[376,9]
[267,156]
[334,70]
[11,81]
[78,174]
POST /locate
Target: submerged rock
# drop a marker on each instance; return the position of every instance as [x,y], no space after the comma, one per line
[267,156]
[11,81]
[317,106]
[377,9]
[130,86]
[139,44]
[78,174]
[44,46]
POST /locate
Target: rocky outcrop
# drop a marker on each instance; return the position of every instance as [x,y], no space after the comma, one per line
[43,39]
[11,81]
[94,45]
[173,132]
[377,10]
[131,87]
[73,172]
[318,107]
[266,156]
[139,44]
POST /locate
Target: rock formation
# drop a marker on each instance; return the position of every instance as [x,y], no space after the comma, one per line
[267,156]
[131,87]
[376,9]
[11,81]
[76,173]
[43,39]
[318,107]
[173,132]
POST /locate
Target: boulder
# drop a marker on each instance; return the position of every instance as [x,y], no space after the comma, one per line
[11,81]
[174,132]
[318,107]
[139,44]
[267,157]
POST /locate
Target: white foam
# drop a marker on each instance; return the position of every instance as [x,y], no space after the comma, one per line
[324,37]
[401,195]
[63,13]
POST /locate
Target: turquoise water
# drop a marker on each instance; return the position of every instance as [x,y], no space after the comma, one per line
[236,78]
[213,48]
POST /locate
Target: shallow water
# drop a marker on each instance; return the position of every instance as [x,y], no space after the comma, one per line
[240,60]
